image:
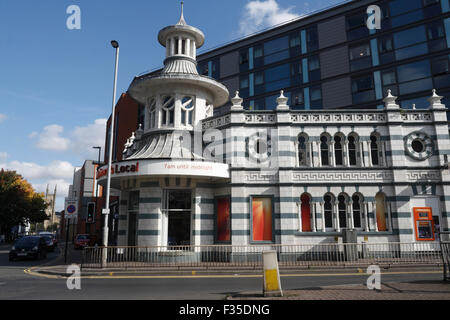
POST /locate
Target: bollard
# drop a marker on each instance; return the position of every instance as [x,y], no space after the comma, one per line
[272,284]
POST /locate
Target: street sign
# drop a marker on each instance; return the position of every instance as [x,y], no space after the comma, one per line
[71,208]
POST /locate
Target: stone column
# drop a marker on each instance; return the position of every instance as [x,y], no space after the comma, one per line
[366,216]
[180,46]
[188,46]
[320,154]
[172,46]
[300,226]
[337,226]
[333,158]
[370,154]
[351,224]
[323,215]
[313,211]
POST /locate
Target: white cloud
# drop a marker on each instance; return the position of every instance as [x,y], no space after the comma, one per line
[3,156]
[80,140]
[259,14]
[2,117]
[50,139]
[29,170]
[84,138]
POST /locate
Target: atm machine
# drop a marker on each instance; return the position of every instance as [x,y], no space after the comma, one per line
[424,224]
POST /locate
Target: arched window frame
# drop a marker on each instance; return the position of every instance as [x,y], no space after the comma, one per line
[339,154]
[381,213]
[342,210]
[328,212]
[167,110]
[354,154]
[358,210]
[306,212]
[375,149]
[187,110]
[324,149]
[303,152]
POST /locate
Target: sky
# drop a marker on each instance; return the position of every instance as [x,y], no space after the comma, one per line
[56,81]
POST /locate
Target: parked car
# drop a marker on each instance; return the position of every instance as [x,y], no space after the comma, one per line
[81,240]
[29,246]
[50,238]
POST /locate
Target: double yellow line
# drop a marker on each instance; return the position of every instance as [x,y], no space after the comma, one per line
[196,276]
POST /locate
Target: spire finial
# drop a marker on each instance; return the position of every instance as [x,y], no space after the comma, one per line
[182,21]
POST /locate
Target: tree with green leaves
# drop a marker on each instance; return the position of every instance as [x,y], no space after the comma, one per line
[19,203]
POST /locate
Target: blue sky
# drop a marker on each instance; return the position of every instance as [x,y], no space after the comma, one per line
[56,83]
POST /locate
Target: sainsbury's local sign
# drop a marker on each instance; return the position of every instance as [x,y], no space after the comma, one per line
[118,169]
[166,167]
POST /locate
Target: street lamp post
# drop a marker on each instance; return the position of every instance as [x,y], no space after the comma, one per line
[115,45]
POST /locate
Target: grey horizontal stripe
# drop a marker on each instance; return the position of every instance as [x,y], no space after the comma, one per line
[122,232]
[206,201]
[148,232]
[402,231]
[123,217]
[204,216]
[145,216]
[401,214]
[149,200]
[240,232]
[203,232]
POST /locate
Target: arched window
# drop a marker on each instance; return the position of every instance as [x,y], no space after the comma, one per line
[306,212]
[328,210]
[302,150]
[342,208]
[187,107]
[357,200]
[338,150]
[381,211]
[325,150]
[167,110]
[152,113]
[353,141]
[374,149]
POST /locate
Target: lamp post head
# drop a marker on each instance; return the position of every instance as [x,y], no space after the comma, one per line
[115,44]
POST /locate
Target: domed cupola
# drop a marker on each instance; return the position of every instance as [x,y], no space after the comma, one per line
[181,42]
[177,98]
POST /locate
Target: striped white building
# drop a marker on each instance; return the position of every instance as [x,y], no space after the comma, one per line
[281,176]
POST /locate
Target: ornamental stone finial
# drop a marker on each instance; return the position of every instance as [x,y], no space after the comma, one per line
[282,102]
[237,102]
[389,101]
[435,101]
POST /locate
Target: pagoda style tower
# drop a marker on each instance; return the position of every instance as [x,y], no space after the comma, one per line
[177,98]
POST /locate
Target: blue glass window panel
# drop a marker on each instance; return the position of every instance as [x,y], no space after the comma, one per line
[276,45]
[277,73]
[364,96]
[412,71]
[407,18]
[437,45]
[374,49]
[432,10]
[401,6]
[306,98]
[377,79]
[314,75]
[250,60]
[278,56]
[259,104]
[303,39]
[209,68]
[305,70]
[279,84]
[445,5]
[441,81]
[251,81]
[409,37]
[421,103]
[361,63]
[315,93]
[415,86]
[447,30]
[412,51]
[271,102]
